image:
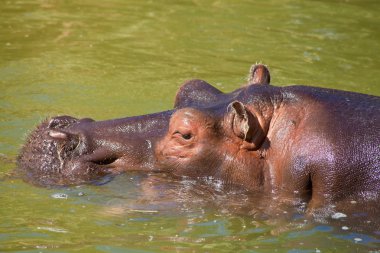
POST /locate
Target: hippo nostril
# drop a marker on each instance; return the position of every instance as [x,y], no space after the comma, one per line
[61,122]
[52,123]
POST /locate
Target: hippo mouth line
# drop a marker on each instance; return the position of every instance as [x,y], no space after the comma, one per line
[107,161]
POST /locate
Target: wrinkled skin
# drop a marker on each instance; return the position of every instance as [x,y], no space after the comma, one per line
[314,144]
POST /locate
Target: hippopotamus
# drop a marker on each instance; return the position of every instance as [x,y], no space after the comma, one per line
[318,144]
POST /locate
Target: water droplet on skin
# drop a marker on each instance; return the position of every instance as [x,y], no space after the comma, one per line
[338,216]
[149,144]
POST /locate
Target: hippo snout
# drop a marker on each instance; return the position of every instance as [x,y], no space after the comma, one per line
[51,154]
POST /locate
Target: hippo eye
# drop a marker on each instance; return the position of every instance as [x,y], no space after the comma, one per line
[187,136]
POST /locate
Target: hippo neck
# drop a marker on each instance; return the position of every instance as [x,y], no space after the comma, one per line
[244,168]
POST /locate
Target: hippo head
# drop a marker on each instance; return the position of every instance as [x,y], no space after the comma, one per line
[65,150]
[214,142]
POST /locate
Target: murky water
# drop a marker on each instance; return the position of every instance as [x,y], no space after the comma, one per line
[107,59]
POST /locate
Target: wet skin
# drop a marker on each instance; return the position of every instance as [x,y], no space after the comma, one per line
[317,145]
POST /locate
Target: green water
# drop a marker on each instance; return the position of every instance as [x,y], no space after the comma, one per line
[108,59]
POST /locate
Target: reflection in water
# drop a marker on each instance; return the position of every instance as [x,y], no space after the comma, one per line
[159,194]
[66,31]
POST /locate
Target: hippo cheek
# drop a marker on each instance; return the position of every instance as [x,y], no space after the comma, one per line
[194,163]
[171,157]
[178,153]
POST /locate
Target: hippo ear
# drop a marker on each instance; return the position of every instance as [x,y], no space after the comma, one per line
[240,119]
[259,74]
[245,125]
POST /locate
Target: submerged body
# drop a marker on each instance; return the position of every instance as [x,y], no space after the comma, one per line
[320,145]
